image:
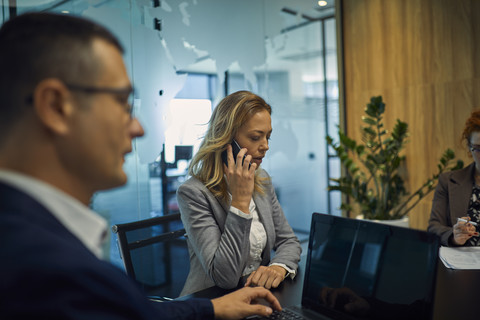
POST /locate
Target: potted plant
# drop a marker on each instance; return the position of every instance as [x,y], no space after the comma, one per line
[372,183]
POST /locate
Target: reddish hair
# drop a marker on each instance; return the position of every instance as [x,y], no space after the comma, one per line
[471,125]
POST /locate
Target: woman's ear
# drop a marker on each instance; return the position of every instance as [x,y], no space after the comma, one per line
[53,105]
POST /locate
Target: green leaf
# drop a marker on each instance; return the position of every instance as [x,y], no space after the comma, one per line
[360,149]
[369,131]
[329,140]
[369,121]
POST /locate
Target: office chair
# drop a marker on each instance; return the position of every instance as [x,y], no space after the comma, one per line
[155,254]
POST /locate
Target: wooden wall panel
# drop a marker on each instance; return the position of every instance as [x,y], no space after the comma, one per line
[423,57]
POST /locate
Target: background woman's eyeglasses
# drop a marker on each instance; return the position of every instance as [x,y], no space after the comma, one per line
[475,148]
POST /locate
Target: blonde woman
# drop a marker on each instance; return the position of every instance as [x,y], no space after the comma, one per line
[229,207]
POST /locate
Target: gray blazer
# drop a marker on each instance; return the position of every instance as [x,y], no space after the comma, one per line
[451,199]
[218,240]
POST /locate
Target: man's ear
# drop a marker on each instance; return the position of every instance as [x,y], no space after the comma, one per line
[53,104]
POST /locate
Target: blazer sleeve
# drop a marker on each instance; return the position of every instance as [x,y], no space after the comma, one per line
[440,221]
[222,251]
[287,246]
[194,309]
[92,296]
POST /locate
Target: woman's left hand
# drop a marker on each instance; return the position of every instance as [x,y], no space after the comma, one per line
[268,277]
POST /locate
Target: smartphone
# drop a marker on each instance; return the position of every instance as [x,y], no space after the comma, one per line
[235,150]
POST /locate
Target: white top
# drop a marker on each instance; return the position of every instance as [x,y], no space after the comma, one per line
[85,224]
[258,241]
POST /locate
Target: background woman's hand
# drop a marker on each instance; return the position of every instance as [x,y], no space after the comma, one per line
[240,178]
[268,277]
[462,231]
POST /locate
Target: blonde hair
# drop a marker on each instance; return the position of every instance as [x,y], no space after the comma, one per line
[229,115]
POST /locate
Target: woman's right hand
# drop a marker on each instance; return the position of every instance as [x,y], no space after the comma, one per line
[240,179]
[462,231]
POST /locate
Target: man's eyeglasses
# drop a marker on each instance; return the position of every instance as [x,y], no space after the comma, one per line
[124,96]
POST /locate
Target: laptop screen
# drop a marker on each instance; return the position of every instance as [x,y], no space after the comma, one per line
[362,269]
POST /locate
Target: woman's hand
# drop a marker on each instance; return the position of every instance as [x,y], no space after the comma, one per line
[268,277]
[240,178]
[462,231]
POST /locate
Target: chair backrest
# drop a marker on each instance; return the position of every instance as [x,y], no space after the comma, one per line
[155,254]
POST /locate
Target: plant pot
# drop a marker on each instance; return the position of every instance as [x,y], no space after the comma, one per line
[403,222]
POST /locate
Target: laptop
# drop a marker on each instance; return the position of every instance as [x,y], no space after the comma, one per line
[359,269]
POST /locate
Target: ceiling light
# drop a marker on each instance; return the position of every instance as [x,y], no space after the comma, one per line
[322,3]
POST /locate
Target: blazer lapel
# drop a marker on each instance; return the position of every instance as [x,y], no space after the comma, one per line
[220,212]
[15,200]
[263,209]
[460,185]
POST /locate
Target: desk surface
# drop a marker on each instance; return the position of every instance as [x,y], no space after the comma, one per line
[456,292]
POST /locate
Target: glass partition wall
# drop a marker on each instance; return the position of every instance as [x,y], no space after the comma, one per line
[183,57]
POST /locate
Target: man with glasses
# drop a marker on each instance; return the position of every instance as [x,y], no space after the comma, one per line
[65,128]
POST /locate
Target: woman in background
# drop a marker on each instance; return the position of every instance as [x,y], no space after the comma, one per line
[229,207]
[455,215]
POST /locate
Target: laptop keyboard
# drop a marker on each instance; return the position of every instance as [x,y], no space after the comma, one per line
[285,314]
